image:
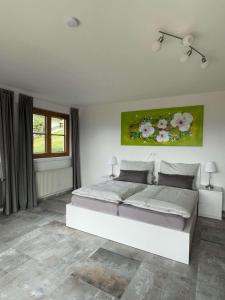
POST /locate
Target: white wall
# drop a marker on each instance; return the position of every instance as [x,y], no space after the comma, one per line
[100,136]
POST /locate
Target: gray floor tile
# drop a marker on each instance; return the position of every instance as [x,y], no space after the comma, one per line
[125,250]
[108,271]
[206,292]
[74,288]
[141,286]
[211,266]
[12,259]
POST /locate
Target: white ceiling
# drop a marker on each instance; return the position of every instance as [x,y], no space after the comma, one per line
[109,58]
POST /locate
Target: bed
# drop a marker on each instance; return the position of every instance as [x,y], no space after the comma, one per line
[153,218]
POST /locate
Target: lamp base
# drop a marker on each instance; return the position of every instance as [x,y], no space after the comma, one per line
[112,176]
[209,187]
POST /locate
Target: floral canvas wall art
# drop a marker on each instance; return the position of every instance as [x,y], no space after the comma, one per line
[177,126]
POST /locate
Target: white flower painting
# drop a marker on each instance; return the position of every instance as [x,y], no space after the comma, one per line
[176,126]
[146,129]
[182,121]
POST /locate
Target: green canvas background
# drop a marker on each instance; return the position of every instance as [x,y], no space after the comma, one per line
[133,118]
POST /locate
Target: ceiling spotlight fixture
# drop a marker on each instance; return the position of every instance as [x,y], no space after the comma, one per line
[157,45]
[186,56]
[186,41]
[72,22]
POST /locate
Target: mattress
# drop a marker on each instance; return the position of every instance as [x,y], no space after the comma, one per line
[130,212]
[95,204]
[152,217]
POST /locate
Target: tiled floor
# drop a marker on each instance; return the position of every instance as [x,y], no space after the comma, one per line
[40,258]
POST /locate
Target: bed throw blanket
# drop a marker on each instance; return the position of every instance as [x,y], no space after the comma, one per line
[165,199]
[112,191]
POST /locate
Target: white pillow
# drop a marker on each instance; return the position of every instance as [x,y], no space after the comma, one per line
[139,166]
[180,169]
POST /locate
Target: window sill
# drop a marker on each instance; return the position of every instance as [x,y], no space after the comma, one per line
[57,158]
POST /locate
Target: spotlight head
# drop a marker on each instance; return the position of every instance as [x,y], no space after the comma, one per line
[204,63]
[157,45]
[186,56]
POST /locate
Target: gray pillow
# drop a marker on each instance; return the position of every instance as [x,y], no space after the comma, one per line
[133,176]
[180,169]
[139,166]
[179,181]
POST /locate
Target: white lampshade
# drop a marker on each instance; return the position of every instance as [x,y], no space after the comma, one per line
[113,161]
[184,58]
[156,46]
[210,167]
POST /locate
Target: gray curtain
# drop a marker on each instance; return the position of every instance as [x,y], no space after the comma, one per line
[26,180]
[1,195]
[1,179]
[74,115]
[7,152]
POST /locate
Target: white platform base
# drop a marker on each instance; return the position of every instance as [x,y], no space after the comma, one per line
[158,240]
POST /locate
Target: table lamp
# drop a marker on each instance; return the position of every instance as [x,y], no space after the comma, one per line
[113,162]
[210,168]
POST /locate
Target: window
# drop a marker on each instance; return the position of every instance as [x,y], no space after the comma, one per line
[50,133]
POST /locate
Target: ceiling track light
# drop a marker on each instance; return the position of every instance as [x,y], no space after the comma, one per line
[186,41]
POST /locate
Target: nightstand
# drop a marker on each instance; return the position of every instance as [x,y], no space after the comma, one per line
[210,202]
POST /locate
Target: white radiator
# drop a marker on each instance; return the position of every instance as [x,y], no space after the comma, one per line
[55,181]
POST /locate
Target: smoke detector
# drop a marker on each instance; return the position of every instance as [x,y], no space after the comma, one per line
[72,22]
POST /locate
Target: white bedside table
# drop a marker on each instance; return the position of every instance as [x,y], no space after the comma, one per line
[210,202]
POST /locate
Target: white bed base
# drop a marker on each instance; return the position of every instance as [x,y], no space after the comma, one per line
[155,239]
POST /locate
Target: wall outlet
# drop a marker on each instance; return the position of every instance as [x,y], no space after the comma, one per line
[152,156]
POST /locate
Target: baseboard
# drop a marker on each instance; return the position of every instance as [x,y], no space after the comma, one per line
[55,194]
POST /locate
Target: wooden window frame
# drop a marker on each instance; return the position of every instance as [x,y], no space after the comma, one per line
[51,114]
